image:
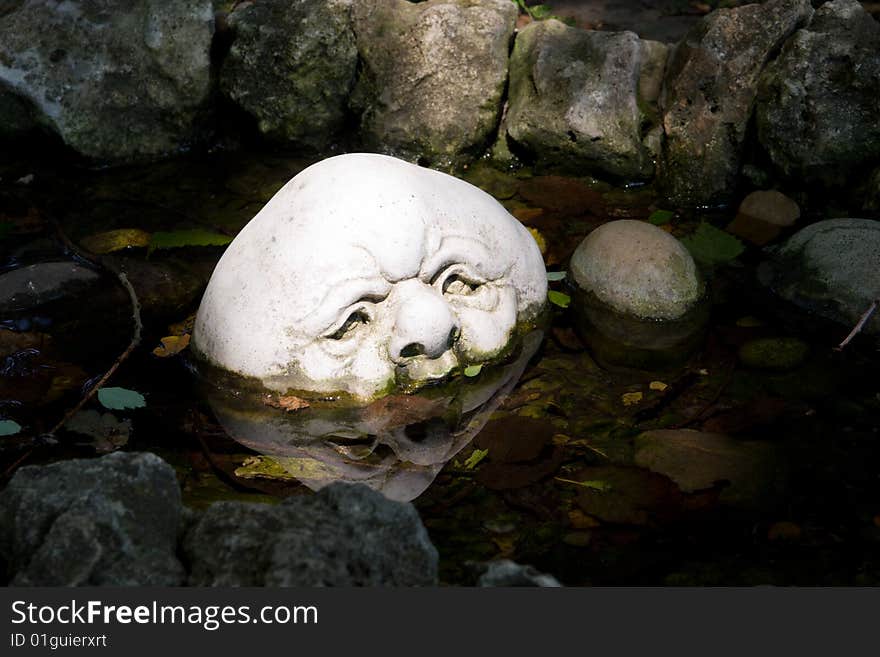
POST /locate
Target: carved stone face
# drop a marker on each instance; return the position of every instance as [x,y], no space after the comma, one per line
[365,273]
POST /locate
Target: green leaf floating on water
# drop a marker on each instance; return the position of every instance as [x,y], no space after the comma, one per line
[120,399]
[540,12]
[593,484]
[192,237]
[712,246]
[9,427]
[558,298]
[473,370]
[660,217]
[474,459]
[554,276]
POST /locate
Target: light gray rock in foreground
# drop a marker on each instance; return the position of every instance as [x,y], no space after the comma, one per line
[509,573]
[292,66]
[574,98]
[709,93]
[344,535]
[118,80]
[830,268]
[433,75]
[818,111]
[111,521]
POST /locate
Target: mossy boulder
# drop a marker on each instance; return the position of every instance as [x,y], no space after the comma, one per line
[709,92]
[818,103]
[292,66]
[118,80]
[433,75]
[575,101]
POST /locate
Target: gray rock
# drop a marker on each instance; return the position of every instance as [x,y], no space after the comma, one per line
[111,521]
[292,67]
[819,102]
[574,98]
[830,268]
[709,93]
[118,80]
[637,269]
[29,287]
[433,75]
[345,535]
[509,573]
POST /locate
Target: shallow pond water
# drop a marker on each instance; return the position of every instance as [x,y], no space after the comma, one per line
[553,466]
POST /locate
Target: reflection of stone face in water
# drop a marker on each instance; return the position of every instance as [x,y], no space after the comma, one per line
[396,445]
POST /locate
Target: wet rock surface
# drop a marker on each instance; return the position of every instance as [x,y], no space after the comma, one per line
[117,80]
[710,88]
[829,268]
[574,99]
[29,287]
[818,101]
[111,521]
[292,66]
[342,536]
[433,75]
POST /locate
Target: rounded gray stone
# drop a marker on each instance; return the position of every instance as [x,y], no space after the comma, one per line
[637,269]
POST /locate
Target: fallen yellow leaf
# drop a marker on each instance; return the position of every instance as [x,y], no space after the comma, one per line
[288,403]
[116,240]
[171,345]
[631,398]
[539,239]
[658,385]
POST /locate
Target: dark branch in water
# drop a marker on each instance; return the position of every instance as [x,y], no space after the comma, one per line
[859,325]
[135,315]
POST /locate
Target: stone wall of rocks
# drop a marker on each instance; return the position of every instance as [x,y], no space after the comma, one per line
[118,520]
[443,81]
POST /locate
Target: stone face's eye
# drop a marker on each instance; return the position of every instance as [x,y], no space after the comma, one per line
[355,319]
[456,284]
[458,280]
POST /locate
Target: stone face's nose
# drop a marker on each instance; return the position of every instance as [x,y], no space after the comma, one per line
[424,324]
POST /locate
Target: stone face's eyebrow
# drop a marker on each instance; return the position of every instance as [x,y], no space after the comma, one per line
[456,249]
[343,294]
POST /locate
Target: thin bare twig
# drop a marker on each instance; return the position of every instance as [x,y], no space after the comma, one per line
[132,345]
[135,316]
[859,325]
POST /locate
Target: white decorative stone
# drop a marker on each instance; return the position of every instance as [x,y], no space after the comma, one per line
[637,269]
[365,273]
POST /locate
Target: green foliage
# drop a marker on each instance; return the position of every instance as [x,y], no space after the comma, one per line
[473,370]
[554,276]
[541,12]
[9,427]
[120,399]
[191,237]
[712,246]
[474,459]
[661,217]
[559,298]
